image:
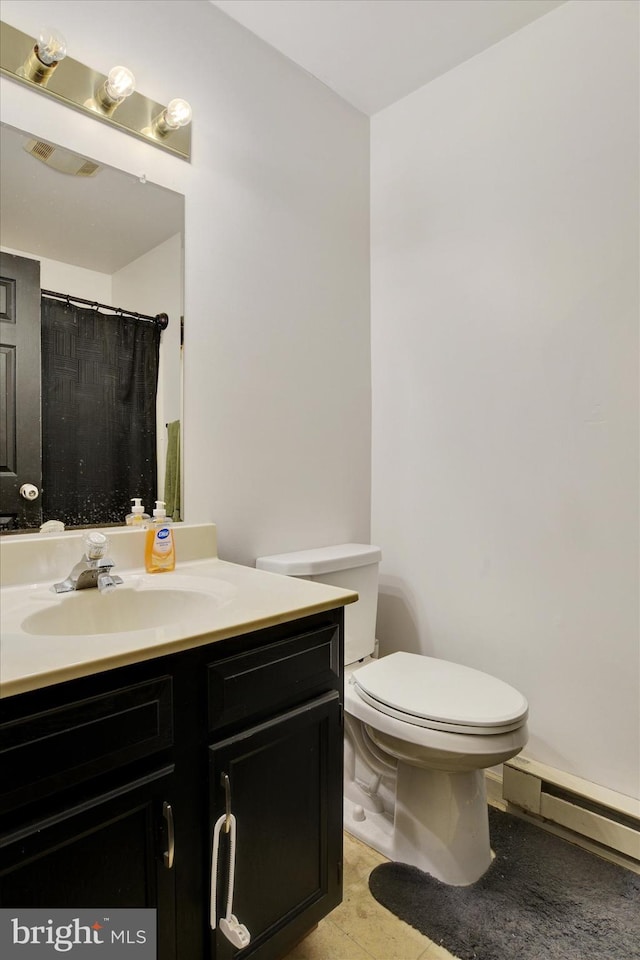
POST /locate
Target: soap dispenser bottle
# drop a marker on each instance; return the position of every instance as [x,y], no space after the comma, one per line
[160,552]
[137,517]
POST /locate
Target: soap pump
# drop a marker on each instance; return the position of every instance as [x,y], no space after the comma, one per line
[159,553]
[137,517]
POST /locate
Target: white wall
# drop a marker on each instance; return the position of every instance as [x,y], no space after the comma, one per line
[60,277]
[504,251]
[152,284]
[505,377]
[277,371]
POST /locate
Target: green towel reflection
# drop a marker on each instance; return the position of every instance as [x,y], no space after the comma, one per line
[172,473]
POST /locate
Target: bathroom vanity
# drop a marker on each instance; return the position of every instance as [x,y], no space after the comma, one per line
[117,763]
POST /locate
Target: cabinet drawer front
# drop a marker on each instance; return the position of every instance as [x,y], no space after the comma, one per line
[50,751]
[273,677]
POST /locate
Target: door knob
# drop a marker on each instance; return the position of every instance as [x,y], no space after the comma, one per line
[29,491]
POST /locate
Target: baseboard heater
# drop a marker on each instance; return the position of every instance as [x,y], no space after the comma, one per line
[602,815]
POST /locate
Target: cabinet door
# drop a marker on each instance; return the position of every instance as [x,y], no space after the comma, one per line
[285,780]
[113,850]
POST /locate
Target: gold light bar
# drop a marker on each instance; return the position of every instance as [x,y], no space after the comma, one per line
[76,85]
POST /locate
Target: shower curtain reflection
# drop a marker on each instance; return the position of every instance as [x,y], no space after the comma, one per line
[99,383]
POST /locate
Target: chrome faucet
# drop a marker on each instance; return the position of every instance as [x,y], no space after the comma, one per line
[94,570]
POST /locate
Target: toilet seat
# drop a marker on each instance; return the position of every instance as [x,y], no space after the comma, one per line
[440,695]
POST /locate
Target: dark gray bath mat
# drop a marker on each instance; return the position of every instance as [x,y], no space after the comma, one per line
[542,898]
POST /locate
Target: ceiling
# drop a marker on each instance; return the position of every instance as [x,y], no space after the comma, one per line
[374,52]
[109,219]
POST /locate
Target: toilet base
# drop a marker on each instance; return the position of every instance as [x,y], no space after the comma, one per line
[440,824]
[376,829]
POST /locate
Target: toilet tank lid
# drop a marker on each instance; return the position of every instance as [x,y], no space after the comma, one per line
[308,563]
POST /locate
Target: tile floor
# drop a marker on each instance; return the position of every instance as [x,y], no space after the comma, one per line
[360,928]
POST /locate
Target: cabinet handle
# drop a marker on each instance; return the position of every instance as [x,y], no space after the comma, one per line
[224,779]
[168,855]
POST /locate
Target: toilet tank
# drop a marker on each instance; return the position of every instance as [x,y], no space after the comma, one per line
[353,566]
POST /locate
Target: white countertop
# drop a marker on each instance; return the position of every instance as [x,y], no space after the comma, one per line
[246,599]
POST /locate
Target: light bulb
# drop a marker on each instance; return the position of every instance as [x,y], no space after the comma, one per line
[177,114]
[46,54]
[120,83]
[52,46]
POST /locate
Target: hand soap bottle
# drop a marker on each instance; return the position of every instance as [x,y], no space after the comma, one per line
[159,552]
[137,517]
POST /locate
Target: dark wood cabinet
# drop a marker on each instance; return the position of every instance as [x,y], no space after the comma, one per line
[109,851]
[111,785]
[285,794]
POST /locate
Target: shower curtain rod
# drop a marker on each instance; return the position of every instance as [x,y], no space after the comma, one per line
[161,319]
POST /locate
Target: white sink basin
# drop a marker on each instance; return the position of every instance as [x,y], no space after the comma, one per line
[141,603]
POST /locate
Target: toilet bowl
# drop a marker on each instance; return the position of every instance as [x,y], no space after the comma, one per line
[442,724]
[419,733]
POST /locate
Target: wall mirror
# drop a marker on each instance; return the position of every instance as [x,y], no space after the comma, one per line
[96,237]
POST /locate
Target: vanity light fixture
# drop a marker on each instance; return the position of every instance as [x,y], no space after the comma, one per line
[46,54]
[175,115]
[119,85]
[111,99]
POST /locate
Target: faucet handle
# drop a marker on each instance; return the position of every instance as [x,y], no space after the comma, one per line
[95,544]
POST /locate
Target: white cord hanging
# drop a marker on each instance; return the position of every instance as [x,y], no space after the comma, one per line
[232,929]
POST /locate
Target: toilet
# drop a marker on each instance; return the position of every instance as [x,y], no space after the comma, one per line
[419,732]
